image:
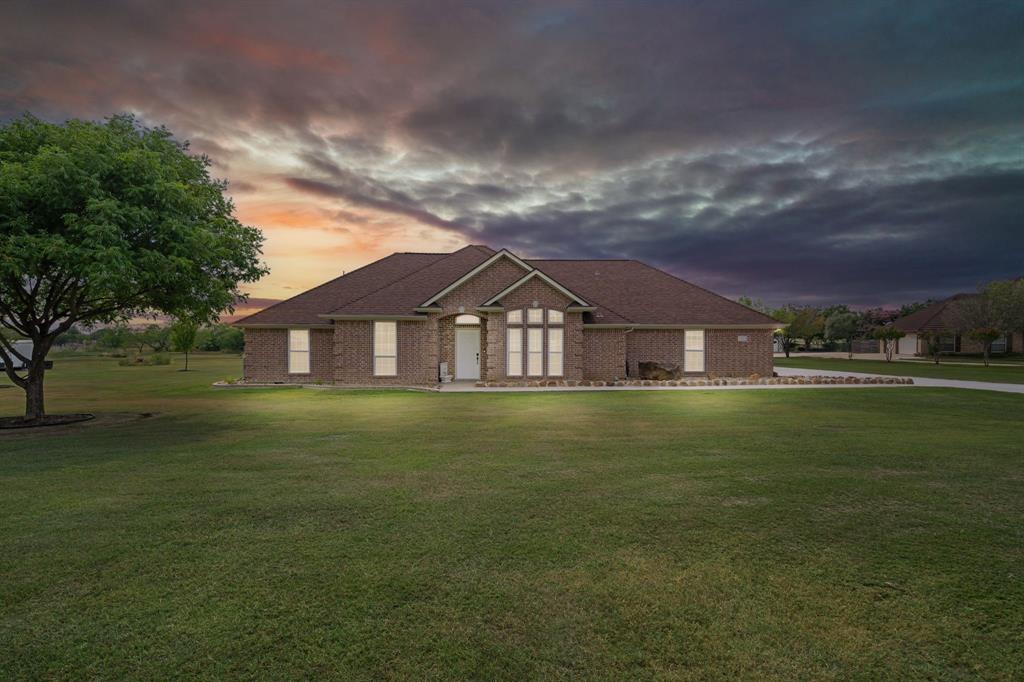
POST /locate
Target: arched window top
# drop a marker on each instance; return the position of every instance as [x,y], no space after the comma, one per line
[467,319]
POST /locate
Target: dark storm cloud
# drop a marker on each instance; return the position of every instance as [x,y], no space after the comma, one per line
[868,152]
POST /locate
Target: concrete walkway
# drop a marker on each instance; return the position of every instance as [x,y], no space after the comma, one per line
[918,381]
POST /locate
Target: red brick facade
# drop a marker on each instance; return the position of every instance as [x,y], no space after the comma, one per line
[739,352]
[266,357]
[604,354]
[344,355]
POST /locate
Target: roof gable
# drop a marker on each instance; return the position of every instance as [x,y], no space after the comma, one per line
[526,278]
[504,253]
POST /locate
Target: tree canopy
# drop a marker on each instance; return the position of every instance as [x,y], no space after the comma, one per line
[102,221]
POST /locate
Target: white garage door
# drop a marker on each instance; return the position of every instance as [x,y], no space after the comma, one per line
[908,345]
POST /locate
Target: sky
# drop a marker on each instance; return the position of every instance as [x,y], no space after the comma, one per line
[869,153]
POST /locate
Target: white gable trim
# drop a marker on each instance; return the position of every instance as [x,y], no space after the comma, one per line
[527,278]
[504,253]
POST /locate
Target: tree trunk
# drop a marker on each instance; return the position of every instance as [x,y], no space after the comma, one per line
[186,361]
[785,347]
[34,395]
[985,353]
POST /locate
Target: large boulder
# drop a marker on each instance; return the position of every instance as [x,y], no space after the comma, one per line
[660,371]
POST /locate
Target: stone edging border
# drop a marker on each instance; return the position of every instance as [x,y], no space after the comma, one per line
[570,383]
[749,381]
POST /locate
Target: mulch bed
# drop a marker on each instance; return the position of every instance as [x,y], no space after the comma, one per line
[48,420]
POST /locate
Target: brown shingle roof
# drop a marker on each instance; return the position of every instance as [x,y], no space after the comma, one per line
[404,295]
[623,291]
[628,291]
[307,307]
[930,318]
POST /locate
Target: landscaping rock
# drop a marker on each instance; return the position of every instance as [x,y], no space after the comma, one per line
[660,371]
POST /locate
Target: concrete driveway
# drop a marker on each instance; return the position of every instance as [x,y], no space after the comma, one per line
[918,381]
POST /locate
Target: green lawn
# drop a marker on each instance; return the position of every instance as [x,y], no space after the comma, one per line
[792,534]
[999,374]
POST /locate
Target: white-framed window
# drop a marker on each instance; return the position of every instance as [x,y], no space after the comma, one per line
[556,317]
[535,351]
[999,345]
[514,343]
[385,348]
[693,351]
[298,351]
[514,317]
[534,316]
[556,336]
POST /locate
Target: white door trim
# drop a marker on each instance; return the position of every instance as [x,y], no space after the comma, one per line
[467,353]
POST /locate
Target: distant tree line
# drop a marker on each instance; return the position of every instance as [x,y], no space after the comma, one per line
[997,309]
[157,338]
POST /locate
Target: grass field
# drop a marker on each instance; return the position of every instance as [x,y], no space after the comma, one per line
[800,534]
[1000,374]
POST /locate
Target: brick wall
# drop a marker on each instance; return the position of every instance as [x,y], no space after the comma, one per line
[653,345]
[417,353]
[726,356]
[479,288]
[266,357]
[604,354]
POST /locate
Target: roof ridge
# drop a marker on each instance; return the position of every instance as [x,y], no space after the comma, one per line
[707,291]
[583,260]
[322,285]
[407,276]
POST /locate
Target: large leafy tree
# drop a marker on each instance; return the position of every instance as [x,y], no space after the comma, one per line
[843,326]
[977,317]
[807,324]
[100,222]
[1007,300]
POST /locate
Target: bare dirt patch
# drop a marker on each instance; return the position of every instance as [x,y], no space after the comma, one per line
[16,425]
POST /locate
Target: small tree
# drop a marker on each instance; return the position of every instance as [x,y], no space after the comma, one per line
[807,324]
[977,316]
[784,334]
[115,337]
[890,337]
[101,222]
[1007,298]
[843,326]
[157,337]
[985,336]
[932,344]
[183,338]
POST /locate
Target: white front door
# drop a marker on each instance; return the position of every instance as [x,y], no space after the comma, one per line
[467,353]
[907,345]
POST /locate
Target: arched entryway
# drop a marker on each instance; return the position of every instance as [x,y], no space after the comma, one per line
[467,347]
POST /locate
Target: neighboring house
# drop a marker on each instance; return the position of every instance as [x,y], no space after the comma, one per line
[935,318]
[490,315]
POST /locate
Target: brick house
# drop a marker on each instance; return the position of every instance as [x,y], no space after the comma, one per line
[936,318]
[490,315]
